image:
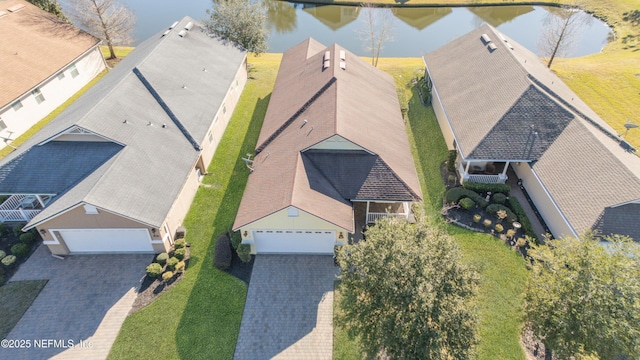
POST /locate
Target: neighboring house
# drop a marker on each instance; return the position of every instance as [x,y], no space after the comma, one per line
[332,155]
[118,170]
[500,107]
[44,61]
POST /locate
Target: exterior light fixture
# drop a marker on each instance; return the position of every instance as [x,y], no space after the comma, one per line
[341,236]
[43,231]
[245,233]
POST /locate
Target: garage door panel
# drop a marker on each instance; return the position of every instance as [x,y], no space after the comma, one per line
[106,240]
[294,241]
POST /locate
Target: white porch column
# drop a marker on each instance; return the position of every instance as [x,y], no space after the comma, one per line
[465,176]
[503,176]
[22,213]
[40,200]
[504,172]
[366,219]
[405,206]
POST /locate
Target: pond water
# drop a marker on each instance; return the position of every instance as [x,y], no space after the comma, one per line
[417,31]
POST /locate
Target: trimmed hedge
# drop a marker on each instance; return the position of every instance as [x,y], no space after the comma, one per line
[180,266]
[222,255]
[451,161]
[494,208]
[17,230]
[527,228]
[3,229]
[180,253]
[20,250]
[171,263]
[27,238]
[179,244]
[154,270]
[2,254]
[8,260]
[167,276]
[499,198]
[162,258]
[453,196]
[236,239]
[244,252]
[483,188]
[467,203]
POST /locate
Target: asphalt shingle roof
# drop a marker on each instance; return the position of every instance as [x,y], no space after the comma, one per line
[144,179]
[491,100]
[309,105]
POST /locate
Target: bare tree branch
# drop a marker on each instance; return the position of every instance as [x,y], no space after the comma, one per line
[378,28]
[107,20]
[560,29]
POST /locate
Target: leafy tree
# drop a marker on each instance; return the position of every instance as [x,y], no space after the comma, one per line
[405,292]
[378,28]
[583,298]
[51,6]
[107,20]
[241,21]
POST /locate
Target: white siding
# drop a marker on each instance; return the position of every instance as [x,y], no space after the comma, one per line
[55,91]
[445,128]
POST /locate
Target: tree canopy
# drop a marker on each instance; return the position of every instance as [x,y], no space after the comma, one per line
[405,292]
[241,21]
[583,298]
[51,6]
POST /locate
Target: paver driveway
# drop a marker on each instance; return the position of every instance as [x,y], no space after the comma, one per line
[289,309]
[86,299]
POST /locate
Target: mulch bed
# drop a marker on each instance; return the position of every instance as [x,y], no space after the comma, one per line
[6,242]
[150,288]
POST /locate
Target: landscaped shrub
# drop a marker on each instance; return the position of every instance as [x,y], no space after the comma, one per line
[222,253]
[494,208]
[8,260]
[483,188]
[451,161]
[167,276]
[180,253]
[527,228]
[467,203]
[20,250]
[180,266]
[499,198]
[511,233]
[179,244]
[28,238]
[162,258]
[487,223]
[521,242]
[154,270]
[452,179]
[17,230]
[244,252]
[2,254]
[453,195]
[171,263]
[499,228]
[3,229]
[236,239]
[477,218]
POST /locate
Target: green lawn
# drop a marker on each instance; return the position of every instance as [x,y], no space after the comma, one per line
[199,318]
[15,299]
[40,124]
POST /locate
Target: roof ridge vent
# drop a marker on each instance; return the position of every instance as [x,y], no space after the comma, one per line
[485,39]
[343,65]
[173,25]
[492,47]
[343,55]
[327,55]
[326,64]
[182,33]
[188,26]
[3,13]
[508,45]
[166,33]
[16,8]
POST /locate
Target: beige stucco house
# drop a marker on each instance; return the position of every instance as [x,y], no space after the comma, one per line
[332,155]
[118,170]
[501,108]
[44,62]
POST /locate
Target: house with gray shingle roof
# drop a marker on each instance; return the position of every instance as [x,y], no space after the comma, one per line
[332,155]
[117,170]
[501,108]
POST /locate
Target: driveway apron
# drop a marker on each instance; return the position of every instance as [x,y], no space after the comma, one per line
[289,309]
[79,312]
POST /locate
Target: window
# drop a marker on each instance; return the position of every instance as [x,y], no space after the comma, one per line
[17,105]
[292,212]
[90,209]
[210,137]
[73,71]
[2,125]
[61,76]
[38,95]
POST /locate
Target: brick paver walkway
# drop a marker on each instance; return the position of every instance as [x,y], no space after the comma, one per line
[86,299]
[289,309]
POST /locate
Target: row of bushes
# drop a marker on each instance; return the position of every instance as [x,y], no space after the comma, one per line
[527,228]
[454,195]
[167,264]
[485,188]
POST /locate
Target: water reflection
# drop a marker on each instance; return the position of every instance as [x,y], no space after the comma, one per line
[333,16]
[281,16]
[420,18]
[498,15]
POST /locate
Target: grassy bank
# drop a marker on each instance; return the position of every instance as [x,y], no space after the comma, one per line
[199,318]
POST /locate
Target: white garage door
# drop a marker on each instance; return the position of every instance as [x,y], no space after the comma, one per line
[106,240]
[294,242]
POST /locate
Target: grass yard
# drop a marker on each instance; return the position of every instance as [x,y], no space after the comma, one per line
[199,318]
[15,299]
[40,124]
